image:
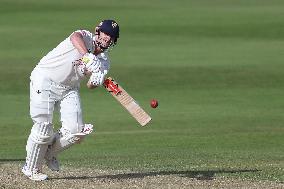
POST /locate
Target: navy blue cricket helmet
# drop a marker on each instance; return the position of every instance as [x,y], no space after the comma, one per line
[111,28]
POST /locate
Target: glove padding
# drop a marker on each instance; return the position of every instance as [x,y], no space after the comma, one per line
[91,62]
[97,78]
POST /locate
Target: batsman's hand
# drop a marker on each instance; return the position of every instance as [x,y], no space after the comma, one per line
[91,62]
[97,78]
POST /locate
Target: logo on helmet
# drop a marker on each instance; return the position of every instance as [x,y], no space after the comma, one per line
[113,24]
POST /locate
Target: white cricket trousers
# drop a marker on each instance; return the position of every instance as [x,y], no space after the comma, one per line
[46,96]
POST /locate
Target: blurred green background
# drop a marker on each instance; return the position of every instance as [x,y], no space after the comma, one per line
[216,67]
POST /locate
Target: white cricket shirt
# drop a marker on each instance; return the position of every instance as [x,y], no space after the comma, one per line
[59,64]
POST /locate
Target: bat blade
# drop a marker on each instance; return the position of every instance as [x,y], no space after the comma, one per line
[127,101]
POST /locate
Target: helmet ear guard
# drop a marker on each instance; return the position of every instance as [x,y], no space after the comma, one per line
[97,28]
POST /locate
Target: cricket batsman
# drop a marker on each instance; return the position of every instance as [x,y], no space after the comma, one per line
[54,84]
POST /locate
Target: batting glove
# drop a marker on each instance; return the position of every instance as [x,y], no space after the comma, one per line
[97,78]
[91,62]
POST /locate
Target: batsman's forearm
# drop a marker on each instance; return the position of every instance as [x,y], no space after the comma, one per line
[78,42]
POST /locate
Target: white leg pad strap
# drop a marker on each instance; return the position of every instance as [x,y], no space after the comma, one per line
[38,141]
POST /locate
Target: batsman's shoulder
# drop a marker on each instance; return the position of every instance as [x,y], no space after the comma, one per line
[83,32]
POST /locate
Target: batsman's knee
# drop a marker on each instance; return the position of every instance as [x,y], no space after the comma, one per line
[71,126]
[65,139]
[42,132]
[76,135]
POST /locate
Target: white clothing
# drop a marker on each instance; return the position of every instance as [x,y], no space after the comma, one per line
[46,95]
[60,64]
[55,83]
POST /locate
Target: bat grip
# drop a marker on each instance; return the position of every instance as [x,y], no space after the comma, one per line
[111,86]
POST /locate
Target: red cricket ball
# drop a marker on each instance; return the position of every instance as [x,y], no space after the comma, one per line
[154,103]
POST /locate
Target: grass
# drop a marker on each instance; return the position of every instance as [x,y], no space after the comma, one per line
[216,69]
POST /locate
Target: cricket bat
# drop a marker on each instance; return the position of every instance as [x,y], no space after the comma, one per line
[127,101]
